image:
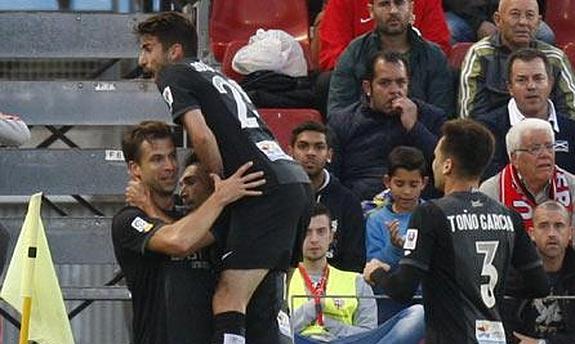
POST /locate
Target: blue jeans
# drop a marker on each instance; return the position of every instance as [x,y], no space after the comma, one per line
[462,32]
[406,327]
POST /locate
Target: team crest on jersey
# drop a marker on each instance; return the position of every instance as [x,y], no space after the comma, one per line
[168,98]
[410,239]
[141,225]
[489,332]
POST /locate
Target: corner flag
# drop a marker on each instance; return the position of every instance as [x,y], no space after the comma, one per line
[31,285]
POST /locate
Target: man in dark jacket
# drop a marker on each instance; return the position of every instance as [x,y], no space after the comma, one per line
[530,80]
[551,320]
[431,79]
[366,133]
[311,147]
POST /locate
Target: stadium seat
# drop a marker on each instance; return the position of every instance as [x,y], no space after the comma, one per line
[282,121]
[239,19]
[229,54]
[457,54]
[569,50]
[559,15]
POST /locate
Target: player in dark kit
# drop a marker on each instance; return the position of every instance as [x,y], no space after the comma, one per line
[170,278]
[461,247]
[226,131]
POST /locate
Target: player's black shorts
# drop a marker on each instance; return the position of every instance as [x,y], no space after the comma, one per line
[263,231]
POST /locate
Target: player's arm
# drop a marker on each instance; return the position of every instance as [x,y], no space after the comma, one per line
[527,262]
[203,140]
[191,232]
[402,284]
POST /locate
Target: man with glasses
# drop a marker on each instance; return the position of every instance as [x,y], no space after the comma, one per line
[531,177]
[530,79]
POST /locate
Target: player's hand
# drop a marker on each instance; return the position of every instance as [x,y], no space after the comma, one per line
[396,238]
[407,110]
[525,339]
[371,266]
[238,184]
[138,195]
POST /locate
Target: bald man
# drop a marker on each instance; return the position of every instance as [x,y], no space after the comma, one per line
[483,83]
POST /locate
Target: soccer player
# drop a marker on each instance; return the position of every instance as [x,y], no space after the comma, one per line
[461,246]
[226,131]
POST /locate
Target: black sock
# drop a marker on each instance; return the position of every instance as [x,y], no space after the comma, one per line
[231,326]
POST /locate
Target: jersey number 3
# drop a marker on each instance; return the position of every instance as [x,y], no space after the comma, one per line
[240,97]
[488,248]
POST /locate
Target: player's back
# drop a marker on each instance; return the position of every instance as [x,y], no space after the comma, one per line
[240,132]
[475,238]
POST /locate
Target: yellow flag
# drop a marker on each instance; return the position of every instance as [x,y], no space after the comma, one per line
[31,274]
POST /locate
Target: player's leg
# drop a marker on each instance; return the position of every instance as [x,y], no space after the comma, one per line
[233,293]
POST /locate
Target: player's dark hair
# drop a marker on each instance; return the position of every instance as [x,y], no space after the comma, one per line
[469,144]
[528,55]
[320,209]
[191,159]
[408,158]
[389,57]
[145,131]
[171,28]
[311,126]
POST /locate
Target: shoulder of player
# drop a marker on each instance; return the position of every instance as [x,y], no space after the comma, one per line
[127,215]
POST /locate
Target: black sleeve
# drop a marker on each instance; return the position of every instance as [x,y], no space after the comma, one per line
[178,85]
[526,260]
[132,229]
[401,285]
[421,236]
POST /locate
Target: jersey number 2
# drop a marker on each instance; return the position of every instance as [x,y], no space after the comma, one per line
[240,98]
[488,248]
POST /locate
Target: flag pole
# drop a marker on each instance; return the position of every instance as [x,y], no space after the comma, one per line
[28,275]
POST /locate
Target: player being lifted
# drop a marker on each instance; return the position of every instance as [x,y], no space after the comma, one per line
[461,246]
[226,132]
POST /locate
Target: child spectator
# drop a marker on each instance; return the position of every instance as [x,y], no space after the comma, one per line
[386,226]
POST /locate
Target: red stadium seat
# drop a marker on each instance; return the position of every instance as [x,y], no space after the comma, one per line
[229,54]
[457,54]
[282,121]
[560,16]
[237,20]
[569,50]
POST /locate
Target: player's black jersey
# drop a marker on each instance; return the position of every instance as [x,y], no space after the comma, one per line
[465,243]
[167,293]
[240,132]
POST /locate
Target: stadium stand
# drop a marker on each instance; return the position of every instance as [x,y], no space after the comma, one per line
[559,15]
[238,20]
[282,121]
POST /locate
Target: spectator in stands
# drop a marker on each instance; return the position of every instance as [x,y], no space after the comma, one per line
[529,83]
[483,83]
[386,227]
[531,177]
[366,134]
[349,319]
[472,20]
[344,20]
[549,321]
[431,79]
[161,257]
[13,131]
[311,147]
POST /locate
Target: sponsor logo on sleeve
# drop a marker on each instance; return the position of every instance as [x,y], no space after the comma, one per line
[167,95]
[141,225]
[410,239]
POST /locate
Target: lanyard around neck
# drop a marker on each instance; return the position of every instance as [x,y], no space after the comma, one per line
[317,291]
